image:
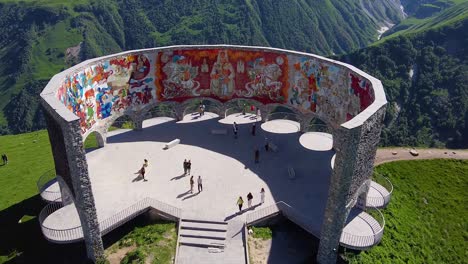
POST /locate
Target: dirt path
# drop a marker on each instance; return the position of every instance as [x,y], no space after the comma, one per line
[388,154]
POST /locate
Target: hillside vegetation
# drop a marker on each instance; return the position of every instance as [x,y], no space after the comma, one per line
[425,76]
[35,36]
[427,218]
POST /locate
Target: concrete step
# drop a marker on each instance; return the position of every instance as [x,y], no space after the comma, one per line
[203,226]
[186,220]
[201,242]
[203,234]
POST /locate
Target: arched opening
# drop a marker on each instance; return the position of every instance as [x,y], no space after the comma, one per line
[93,141]
[161,110]
[198,105]
[123,122]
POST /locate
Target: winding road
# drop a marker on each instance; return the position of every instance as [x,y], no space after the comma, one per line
[385,155]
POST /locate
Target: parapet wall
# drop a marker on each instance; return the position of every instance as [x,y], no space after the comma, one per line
[110,86]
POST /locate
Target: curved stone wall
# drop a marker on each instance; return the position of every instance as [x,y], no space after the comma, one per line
[98,89]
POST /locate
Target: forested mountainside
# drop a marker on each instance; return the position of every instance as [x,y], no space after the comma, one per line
[421,60]
[425,77]
[40,38]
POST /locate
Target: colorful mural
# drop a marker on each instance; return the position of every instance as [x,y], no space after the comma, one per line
[133,81]
[109,87]
[222,74]
[322,88]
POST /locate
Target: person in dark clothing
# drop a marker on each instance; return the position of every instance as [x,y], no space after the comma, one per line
[6,158]
[185,167]
[234,128]
[257,156]
[254,127]
[3,159]
[249,199]
[189,166]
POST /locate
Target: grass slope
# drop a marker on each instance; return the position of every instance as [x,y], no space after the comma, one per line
[427,218]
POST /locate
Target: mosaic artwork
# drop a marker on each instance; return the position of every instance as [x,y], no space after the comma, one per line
[133,81]
[222,74]
[322,88]
[109,87]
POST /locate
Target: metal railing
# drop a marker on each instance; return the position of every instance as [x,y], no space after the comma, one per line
[283,115]
[45,181]
[375,219]
[288,211]
[384,199]
[68,235]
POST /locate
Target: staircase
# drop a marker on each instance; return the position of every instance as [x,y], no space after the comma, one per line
[203,233]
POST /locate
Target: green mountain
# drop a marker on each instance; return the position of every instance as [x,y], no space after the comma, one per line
[40,38]
[425,74]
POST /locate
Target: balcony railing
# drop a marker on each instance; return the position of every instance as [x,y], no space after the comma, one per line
[69,235]
[47,186]
[380,193]
[375,221]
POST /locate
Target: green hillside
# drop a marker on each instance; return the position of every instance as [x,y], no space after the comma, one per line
[35,35]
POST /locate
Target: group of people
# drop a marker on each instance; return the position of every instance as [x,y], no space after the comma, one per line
[187,167]
[199,182]
[240,201]
[253,109]
[235,129]
[4,159]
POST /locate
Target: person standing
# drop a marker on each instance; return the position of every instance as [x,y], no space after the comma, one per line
[257,155]
[262,196]
[259,114]
[3,159]
[203,109]
[240,202]
[189,166]
[249,199]
[185,166]
[234,127]
[6,158]
[145,163]
[243,109]
[191,184]
[254,127]
[200,184]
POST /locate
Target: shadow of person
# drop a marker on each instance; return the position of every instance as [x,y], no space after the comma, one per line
[138,178]
[183,194]
[190,196]
[178,177]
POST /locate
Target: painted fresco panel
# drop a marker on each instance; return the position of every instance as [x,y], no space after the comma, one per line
[130,82]
[112,86]
[222,75]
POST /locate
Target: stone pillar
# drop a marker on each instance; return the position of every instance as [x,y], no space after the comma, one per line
[65,192]
[71,165]
[101,138]
[137,122]
[355,153]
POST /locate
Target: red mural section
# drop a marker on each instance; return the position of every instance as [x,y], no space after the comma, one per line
[222,74]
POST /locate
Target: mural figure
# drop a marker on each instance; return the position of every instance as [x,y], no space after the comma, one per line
[180,78]
[222,76]
[90,104]
[263,80]
[205,68]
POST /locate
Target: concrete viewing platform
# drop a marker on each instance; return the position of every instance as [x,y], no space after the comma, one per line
[226,165]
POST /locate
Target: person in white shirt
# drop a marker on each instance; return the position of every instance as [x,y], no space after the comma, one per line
[200,184]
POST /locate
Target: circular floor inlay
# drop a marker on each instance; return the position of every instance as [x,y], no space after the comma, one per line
[281,126]
[318,141]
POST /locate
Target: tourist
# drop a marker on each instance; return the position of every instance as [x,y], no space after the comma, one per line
[267,145]
[189,166]
[3,159]
[185,166]
[257,156]
[203,109]
[142,172]
[240,202]
[200,184]
[234,127]
[145,164]
[254,126]
[6,158]
[191,184]
[262,196]
[259,114]
[249,199]
[243,109]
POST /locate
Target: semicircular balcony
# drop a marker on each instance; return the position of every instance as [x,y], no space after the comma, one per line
[363,229]
[380,192]
[48,186]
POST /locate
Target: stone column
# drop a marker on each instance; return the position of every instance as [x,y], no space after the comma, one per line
[355,153]
[101,138]
[71,165]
